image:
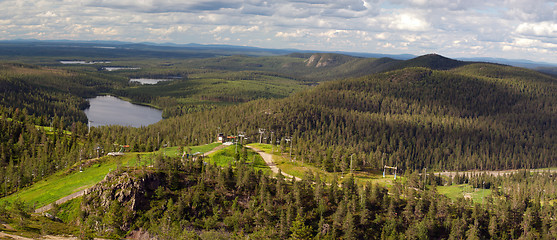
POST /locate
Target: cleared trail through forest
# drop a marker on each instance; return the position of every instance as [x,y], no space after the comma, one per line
[80,193]
[61,201]
[219,147]
[268,158]
[77,194]
[494,173]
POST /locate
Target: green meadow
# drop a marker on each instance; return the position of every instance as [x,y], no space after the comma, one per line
[67,182]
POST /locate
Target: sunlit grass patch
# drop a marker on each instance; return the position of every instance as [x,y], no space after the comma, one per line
[464,191]
[299,168]
[63,183]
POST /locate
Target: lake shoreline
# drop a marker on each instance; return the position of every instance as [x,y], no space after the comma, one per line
[106,109]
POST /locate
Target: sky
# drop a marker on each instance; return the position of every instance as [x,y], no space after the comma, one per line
[513,29]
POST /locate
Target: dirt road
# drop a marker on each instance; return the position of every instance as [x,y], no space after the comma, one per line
[215,149]
[4,235]
[494,173]
[268,158]
[61,200]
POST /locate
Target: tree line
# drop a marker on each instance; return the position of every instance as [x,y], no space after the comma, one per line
[191,200]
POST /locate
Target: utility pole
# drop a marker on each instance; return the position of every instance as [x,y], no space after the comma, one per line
[425,176]
[261,131]
[272,145]
[351,162]
[289,139]
[290,149]
[241,135]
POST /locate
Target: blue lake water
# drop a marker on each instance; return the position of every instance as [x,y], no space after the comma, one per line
[109,110]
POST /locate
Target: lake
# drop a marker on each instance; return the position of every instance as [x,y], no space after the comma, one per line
[148,81]
[110,69]
[109,110]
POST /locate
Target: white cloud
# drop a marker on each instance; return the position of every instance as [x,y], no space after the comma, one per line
[542,29]
[107,31]
[47,14]
[295,34]
[500,28]
[169,30]
[161,6]
[410,22]
[235,29]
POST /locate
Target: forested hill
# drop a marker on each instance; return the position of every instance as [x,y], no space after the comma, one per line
[477,116]
[322,66]
[48,92]
[301,66]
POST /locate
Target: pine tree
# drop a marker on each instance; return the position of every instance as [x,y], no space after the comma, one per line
[300,231]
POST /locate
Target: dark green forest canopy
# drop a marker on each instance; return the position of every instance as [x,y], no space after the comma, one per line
[191,200]
[471,116]
[414,117]
[49,92]
[427,112]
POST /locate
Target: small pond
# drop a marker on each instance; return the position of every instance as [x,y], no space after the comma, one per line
[148,81]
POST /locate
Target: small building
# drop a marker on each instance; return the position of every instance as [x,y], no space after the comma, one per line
[231,139]
[220,138]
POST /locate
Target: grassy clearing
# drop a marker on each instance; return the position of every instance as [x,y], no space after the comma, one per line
[147,158]
[69,211]
[464,191]
[225,157]
[299,168]
[65,183]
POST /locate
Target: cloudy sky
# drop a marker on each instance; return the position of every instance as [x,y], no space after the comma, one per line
[519,29]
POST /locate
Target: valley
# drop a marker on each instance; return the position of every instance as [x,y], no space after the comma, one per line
[473,146]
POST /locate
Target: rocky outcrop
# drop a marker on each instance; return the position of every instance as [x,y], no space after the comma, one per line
[320,60]
[126,189]
[129,190]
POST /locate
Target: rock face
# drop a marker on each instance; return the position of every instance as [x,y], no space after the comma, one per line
[130,191]
[320,60]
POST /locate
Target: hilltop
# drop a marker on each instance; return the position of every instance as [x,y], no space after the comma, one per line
[471,116]
[340,116]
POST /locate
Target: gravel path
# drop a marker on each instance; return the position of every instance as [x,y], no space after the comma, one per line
[215,149]
[82,192]
[268,158]
[494,173]
[4,235]
[61,200]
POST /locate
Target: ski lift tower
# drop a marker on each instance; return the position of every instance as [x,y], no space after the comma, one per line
[385,168]
[261,131]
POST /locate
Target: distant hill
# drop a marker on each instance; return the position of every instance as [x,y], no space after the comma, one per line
[49,92]
[547,70]
[512,62]
[431,61]
[471,116]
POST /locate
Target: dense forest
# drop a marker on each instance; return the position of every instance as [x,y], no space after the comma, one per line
[334,110]
[48,92]
[29,151]
[192,200]
[464,116]
[478,116]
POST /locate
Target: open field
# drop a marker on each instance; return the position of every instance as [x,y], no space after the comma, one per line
[225,157]
[495,173]
[64,183]
[299,169]
[68,182]
[464,191]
